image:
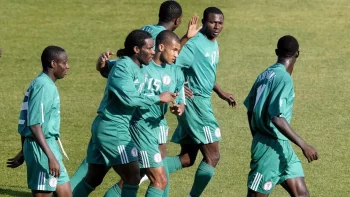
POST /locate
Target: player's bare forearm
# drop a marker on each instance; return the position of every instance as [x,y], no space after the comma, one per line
[250,114]
[217,89]
[39,137]
[225,96]
[283,126]
[183,40]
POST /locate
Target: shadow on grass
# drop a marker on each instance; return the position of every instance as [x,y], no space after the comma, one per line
[11,192]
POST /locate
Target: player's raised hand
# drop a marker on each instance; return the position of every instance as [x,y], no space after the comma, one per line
[167,97]
[309,152]
[229,98]
[16,161]
[192,27]
[104,57]
[54,167]
[177,109]
[101,61]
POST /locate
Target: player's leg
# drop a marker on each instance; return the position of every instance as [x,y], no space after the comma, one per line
[158,183]
[130,174]
[252,193]
[206,168]
[292,179]
[64,190]
[37,193]
[93,178]
[79,175]
[296,187]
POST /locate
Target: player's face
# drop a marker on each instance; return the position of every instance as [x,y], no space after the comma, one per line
[60,66]
[147,52]
[213,25]
[170,52]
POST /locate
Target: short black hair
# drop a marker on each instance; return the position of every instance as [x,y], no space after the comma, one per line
[135,38]
[169,10]
[166,36]
[287,46]
[50,53]
[211,10]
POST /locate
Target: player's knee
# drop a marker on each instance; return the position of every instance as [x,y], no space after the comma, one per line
[187,161]
[213,159]
[132,179]
[160,181]
[94,181]
[303,193]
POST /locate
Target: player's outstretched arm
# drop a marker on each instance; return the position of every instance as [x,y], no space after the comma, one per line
[225,96]
[283,126]
[101,63]
[18,159]
[192,30]
[39,137]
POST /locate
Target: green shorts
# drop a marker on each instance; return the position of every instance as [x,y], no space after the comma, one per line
[273,161]
[163,131]
[38,176]
[198,124]
[146,138]
[111,144]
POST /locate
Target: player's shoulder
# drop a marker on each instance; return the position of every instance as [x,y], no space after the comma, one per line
[43,82]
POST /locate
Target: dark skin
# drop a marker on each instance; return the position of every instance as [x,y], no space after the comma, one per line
[130,172]
[58,70]
[212,28]
[294,186]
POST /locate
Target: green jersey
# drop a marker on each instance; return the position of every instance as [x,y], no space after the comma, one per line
[272,95]
[159,79]
[199,58]
[154,30]
[123,92]
[41,105]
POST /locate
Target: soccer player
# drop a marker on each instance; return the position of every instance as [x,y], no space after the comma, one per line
[269,105]
[39,127]
[197,128]
[146,125]
[111,144]
[170,13]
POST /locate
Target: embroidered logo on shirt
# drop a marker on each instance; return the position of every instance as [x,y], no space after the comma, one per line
[166,80]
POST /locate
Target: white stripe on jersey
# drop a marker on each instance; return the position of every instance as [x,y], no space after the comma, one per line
[206,135]
[24,106]
[42,112]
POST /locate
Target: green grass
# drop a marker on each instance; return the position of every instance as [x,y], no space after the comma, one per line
[247,43]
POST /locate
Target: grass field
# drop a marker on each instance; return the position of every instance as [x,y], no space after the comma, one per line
[247,43]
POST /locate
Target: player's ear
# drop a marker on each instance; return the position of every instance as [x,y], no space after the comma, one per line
[276,51]
[161,47]
[177,21]
[136,49]
[53,64]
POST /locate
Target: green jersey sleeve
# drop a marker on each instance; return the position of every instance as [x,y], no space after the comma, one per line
[279,99]
[180,87]
[121,83]
[39,102]
[186,56]
[249,102]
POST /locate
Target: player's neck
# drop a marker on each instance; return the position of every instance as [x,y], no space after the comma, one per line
[134,59]
[208,37]
[167,26]
[287,63]
[51,75]
[156,59]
